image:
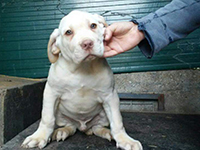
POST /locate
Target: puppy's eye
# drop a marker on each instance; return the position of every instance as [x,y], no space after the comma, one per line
[69,32]
[93,26]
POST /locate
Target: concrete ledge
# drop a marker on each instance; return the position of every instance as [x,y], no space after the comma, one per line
[181,88]
[155,131]
[20,105]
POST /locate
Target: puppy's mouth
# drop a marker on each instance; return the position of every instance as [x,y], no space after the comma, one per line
[89,57]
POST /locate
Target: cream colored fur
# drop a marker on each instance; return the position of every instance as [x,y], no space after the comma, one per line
[79,93]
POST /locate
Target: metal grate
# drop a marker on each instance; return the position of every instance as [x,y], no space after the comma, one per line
[159,98]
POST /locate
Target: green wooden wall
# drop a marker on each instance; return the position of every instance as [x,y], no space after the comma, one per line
[25,26]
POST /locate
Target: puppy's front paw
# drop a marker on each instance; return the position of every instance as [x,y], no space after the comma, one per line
[127,143]
[35,140]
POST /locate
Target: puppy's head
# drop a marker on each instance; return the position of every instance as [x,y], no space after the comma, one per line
[79,37]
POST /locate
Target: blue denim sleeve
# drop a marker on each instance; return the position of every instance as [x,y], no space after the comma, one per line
[168,24]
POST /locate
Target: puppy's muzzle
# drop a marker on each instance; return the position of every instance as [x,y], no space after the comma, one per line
[87,44]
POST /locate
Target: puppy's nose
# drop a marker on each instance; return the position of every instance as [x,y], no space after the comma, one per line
[87,44]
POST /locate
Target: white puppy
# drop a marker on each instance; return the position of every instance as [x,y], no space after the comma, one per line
[80,93]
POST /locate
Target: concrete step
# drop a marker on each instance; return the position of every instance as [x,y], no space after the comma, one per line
[20,104]
[156,131]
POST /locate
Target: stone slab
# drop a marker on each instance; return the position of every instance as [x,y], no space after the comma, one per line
[20,104]
[156,131]
[181,88]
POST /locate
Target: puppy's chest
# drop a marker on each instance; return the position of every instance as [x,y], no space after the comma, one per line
[79,93]
[82,100]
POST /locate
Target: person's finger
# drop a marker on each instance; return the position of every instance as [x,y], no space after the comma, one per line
[106,48]
[110,53]
[108,34]
[109,31]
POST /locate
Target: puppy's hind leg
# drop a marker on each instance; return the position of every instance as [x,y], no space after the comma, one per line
[89,132]
[102,132]
[63,132]
[66,127]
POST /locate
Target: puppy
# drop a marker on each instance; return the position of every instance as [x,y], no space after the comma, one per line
[80,93]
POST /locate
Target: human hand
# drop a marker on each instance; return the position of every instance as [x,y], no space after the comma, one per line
[121,37]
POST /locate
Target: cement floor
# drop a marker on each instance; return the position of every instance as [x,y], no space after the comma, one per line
[155,131]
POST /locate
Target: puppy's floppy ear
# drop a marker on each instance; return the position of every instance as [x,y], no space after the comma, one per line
[52,49]
[101,19]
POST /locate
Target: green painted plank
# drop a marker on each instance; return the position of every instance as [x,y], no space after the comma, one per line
[25,27]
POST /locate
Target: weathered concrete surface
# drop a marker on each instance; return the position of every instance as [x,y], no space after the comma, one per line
[21,99]
[180,87]
[20,104]
[155,131]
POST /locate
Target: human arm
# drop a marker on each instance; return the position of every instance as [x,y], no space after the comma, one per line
[168,24]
